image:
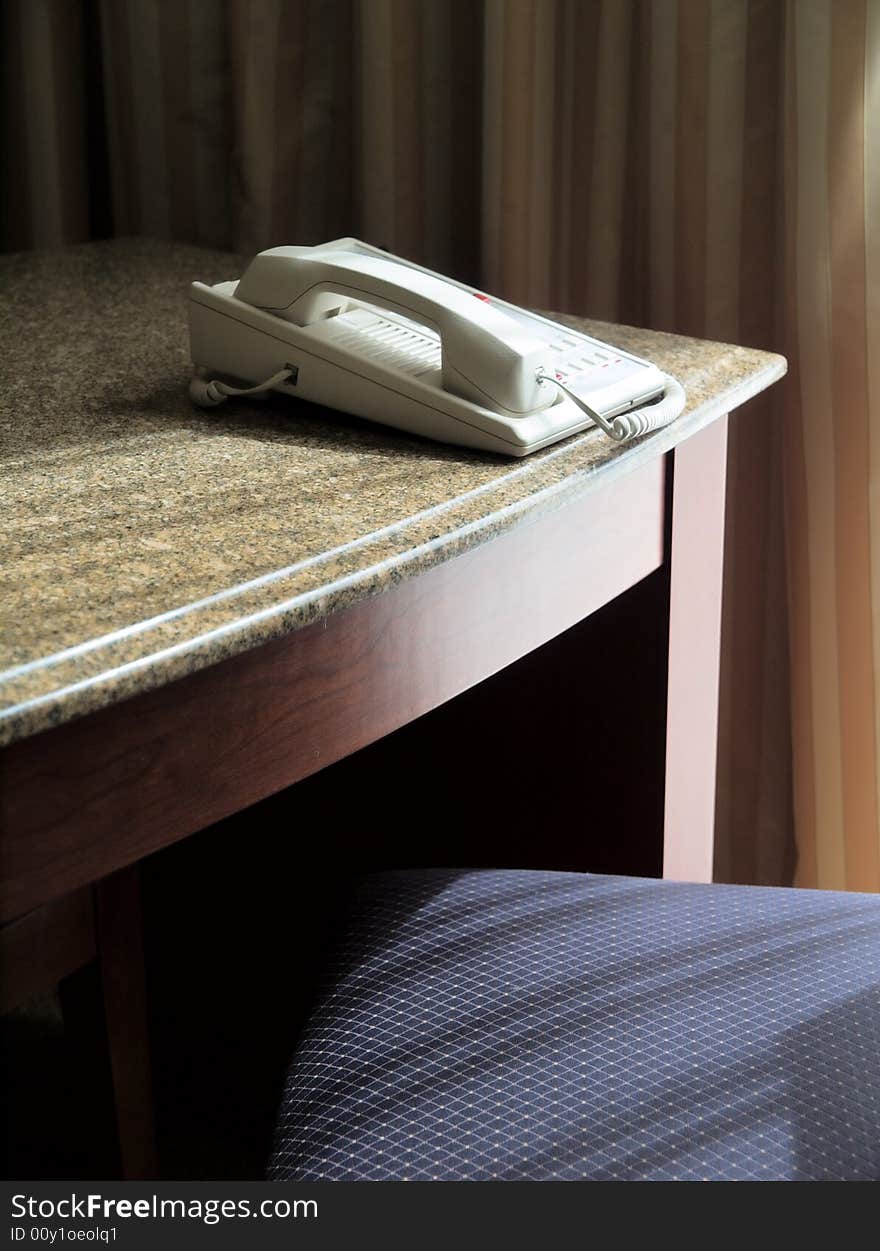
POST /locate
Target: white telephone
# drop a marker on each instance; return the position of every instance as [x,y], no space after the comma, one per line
[349,326]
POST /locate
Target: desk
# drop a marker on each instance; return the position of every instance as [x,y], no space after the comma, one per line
[202,608]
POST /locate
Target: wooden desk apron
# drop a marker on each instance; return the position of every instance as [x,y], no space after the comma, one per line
[204,608]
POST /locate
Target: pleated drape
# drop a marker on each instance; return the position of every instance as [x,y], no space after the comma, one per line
[704,166]
[832,425]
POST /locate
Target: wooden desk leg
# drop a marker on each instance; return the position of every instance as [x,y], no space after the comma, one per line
[121,961]
[696,557]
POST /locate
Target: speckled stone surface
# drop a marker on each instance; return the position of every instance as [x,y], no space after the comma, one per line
[144,539]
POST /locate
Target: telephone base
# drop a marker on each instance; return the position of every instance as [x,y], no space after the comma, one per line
[372,360]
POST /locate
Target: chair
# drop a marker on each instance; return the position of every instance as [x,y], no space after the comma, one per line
[515,1025]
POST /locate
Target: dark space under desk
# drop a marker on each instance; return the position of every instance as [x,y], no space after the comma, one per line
[203,608]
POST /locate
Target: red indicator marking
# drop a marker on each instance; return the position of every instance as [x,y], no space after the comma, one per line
[480,297]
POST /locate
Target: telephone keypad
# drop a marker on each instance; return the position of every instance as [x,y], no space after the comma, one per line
[574,361]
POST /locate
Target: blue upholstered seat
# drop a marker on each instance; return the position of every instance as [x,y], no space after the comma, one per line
[504,1024]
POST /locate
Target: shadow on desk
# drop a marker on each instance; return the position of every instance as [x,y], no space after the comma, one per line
[111,415]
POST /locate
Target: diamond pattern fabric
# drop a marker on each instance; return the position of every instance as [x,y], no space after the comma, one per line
[513,1025]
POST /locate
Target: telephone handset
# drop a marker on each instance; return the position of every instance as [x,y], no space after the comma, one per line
[485,356]
[349,326]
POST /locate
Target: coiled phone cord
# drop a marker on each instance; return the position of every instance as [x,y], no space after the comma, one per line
[208,394]
[638,420]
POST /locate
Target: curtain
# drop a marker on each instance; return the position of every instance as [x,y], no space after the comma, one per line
[710,167]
